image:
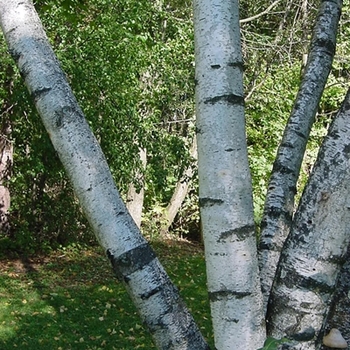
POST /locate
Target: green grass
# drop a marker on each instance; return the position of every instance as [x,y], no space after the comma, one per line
[71,300]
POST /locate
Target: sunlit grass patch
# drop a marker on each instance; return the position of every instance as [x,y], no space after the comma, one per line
[71,300]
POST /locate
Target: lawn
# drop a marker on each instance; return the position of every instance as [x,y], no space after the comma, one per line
[71,300]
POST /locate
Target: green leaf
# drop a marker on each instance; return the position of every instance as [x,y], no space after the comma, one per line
[272,343]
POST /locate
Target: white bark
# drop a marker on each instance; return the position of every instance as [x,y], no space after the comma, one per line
[180,192]
[224,178]
[314,251]
[279,205]
[134,200]
[6,161]
[133,260]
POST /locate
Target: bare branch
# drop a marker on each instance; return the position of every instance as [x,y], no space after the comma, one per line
[265,12]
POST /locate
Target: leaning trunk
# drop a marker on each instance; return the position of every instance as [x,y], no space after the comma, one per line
[279,204]
[180,192]
[315,249]
[134,262]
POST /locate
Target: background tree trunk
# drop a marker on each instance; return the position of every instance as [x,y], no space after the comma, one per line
[134,199]
[6,153]
[180,192]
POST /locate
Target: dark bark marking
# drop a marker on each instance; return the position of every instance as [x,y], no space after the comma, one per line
[36,94]
[306,335]
[327,44]
[219,295]
[230,99]
[131,261]
[237,65]
[66,114]
[119,212]
[198,131]
[229,150]
[215,66]
[240,233]
[276,213]
[209,202]
[266,245]
[154,291]
[287,145]
[167,290]
[59,119]
[293,279]
[334,134]
[15,55]
[300,134]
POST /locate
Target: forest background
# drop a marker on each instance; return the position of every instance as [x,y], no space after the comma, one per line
[131,67]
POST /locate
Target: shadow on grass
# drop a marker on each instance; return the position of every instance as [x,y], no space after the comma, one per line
[71,300]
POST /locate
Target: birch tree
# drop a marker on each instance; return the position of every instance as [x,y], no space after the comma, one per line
[133,260]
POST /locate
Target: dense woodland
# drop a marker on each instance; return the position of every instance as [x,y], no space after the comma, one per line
[131,67]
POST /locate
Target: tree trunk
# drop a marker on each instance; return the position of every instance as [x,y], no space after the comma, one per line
[180,192]
[6,153]
[225,193]
[279,204]
[6,160]
[315,249]
[134,262]
[134,200]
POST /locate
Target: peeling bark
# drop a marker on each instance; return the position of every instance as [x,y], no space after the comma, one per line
[6,153]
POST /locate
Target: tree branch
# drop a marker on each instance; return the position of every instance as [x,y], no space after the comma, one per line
[265,12]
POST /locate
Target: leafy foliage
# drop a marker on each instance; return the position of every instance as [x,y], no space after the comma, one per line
[130,64]
[133,92]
